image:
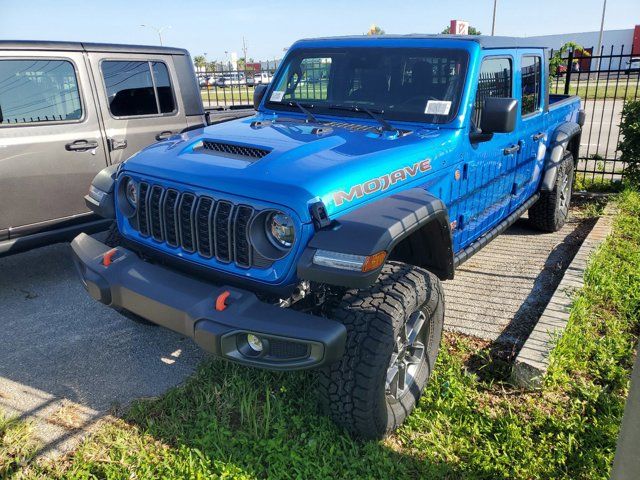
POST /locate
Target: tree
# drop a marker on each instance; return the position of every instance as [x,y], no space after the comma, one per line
[200,62]
[472,31]
[375,30]
[559,56]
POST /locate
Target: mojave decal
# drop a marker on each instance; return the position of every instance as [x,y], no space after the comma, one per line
[378,184]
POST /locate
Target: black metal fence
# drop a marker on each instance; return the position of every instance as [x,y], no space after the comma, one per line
[604,82]
[227,88]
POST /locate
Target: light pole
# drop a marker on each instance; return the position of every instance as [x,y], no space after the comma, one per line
[493,24]
[157,30]
[598,51]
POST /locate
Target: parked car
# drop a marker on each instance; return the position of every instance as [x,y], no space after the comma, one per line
[633,65]
[229,79]
[67,110]
[316,234]
[206,81]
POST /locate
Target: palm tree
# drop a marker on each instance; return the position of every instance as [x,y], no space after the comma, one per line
[200,62]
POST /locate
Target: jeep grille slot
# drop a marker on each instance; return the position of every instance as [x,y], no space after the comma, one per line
[170,217]
[143,217]
[233,150]
[185,220]
[203,226]
[210,227]
[155,212]
[222,228]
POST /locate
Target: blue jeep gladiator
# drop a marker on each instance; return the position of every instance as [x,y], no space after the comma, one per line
[316,233]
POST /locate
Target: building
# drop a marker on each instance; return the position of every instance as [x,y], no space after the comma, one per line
[624,42]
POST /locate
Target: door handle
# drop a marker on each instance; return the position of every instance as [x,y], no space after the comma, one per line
[164,135]
[511,150]
[81,145]
[117,144]
[538,136]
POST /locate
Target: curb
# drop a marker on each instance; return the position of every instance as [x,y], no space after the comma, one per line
[532,362]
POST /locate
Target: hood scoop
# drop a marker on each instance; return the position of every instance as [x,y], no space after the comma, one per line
[232,150]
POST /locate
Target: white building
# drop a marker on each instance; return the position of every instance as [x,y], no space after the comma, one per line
[622,42]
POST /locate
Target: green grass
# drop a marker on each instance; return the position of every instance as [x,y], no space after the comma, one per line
[17,446]
[624,89]
[234,422]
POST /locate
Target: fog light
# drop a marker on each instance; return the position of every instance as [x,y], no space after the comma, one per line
[254,342]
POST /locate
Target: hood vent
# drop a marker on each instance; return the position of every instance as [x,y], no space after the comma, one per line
[231,150]
[355,127]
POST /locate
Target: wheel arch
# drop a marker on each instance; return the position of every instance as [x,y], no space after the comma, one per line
[411,226]
[565,139]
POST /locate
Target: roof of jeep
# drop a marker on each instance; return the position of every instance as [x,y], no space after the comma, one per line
[87,47]
[485,41]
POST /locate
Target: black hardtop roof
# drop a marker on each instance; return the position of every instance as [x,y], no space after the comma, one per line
[87,47]
[485,41]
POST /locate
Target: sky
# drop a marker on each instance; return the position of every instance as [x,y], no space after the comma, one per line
[270,26]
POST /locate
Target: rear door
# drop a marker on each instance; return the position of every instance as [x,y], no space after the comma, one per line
[530,128]
[50,140]
[139,98]
[490,167]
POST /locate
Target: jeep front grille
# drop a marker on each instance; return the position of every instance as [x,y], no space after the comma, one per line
[212,228]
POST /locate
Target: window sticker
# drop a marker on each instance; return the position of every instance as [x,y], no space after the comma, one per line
[276,96]
[437,107]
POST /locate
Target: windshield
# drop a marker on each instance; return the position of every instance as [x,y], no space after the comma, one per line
[405,84]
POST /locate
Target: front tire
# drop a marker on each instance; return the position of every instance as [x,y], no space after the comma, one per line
[393,336]
[551,211]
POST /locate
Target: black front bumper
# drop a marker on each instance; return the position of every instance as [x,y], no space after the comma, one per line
[292,340]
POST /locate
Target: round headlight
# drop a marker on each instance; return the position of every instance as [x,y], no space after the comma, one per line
[280,229]
[131,192]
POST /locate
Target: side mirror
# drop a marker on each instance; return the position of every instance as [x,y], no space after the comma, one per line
[499,115]
[258,95]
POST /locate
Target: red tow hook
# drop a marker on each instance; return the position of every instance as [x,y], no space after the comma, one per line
[220,301]
[107,258]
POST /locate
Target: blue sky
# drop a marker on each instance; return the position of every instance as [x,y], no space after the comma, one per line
[269,26]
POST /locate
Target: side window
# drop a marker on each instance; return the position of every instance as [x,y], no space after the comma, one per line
[38,91]
[531,70]
[133,90]
[494,81]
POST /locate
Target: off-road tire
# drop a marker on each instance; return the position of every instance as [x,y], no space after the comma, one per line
[353,391]
[551,211]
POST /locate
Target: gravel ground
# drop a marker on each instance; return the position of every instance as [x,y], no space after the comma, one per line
[68,361]
[500,293]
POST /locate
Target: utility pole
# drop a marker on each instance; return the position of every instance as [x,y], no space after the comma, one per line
[244,50]
[157,30]
[493,24]
[599,50]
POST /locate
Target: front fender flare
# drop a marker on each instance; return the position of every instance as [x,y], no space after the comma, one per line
[380,226]
[559,147]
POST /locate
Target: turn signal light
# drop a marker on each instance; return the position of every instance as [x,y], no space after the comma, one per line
[374,261]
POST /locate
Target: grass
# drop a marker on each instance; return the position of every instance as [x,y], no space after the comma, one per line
[606,89]
[17,446]
[237,423]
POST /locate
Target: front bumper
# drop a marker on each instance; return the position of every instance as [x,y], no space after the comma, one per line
[292,340]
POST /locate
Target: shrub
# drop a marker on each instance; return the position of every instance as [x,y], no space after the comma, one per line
[629,146]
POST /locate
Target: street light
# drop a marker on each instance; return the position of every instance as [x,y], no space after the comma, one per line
[493,24]
[157,30]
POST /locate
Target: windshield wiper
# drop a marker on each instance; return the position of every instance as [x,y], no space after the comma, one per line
[301,107]
[386,126]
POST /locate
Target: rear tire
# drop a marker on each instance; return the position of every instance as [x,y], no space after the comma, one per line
[551,211]
[393,336]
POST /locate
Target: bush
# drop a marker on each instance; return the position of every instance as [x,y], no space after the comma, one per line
[629,146]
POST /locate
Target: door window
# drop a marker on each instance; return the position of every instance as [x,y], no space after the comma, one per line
[531,71]
[137,88]
[494,81]
[38,91]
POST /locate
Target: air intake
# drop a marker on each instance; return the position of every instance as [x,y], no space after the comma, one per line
[232,150]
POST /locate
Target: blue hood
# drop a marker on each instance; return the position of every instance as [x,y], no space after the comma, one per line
[343,167]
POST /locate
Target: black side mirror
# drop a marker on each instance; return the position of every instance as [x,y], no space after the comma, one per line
[498,116]
[258,95]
